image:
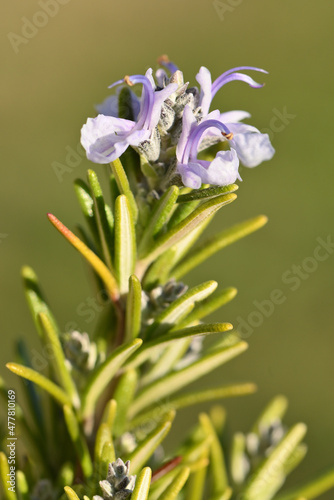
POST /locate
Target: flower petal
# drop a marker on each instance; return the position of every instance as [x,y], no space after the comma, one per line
[203,77]
[222,171]
[252,147]
[159,97]
[188,122]
[189,178]
[105,138]
[234,116]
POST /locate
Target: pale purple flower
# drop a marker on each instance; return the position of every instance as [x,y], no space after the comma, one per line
[251,145]
[222,171]
[105,138]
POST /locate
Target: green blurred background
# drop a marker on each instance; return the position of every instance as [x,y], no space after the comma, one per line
[48,88]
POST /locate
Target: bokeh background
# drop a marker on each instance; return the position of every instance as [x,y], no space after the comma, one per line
[50,81]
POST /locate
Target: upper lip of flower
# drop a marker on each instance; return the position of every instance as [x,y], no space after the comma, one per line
[151,99]
[105,138]
[188,146]
[209,89]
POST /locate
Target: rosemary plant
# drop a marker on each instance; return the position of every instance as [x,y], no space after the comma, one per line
[95,419]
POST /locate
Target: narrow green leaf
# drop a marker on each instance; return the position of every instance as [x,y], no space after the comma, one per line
[4,476]
[58,359]
[157,345]
[109,413]
[66,474]
[124,186]
[202,194]
[196,483]
[191,222]
[149,171]
[84,195]
[275,410]
[217,462]
[176,485]
[193,398]
[238,470]
[102,220]
[78,441]
[176,380]
[29,374]
[181,212]
[148,446]
[104,452]
[103,435]
[35,298]
[22,486]
[107,456]
[313,488]
[125,243]
[123,395]
[97,264]
[179,308]
[297,456]
[161,268]
[170,356]
[142,487]
[270,472]
[32,396]
[133,309]
[71,494]
[224,496]
[160,216]
[103,375]
[221,240]
[207,306]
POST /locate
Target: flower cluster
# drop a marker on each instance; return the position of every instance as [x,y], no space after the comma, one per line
[171,123]
[119,484]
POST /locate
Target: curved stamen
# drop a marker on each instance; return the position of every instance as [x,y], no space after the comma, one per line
[190,150]
[128,81]
[147,100]
[164,61]
[232,74]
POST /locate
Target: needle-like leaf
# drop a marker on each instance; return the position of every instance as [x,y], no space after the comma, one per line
[71,494]
[158,219]
[133,309]
[35,298]
[176,380]
[203,194]
[104,374]
[180,308]
[148,446]
[268,478]
[124,186]
[142,487]
[97,264]
[78,441]
[102,216]
[157,345]
[187,225]
[28,373]
[125,243]
[58,359]
[4,476]
[221,240]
